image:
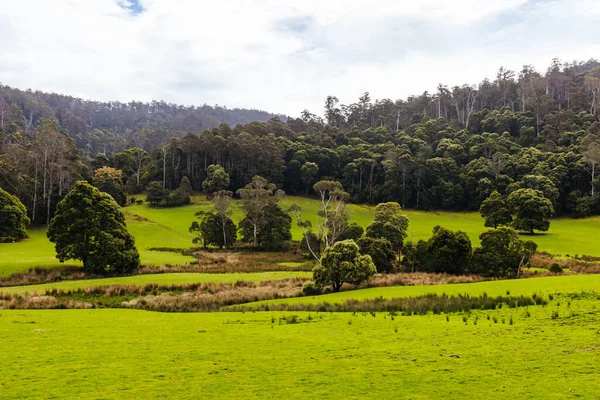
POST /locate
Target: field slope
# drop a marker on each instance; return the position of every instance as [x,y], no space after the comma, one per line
[119,354]
[528,286]
[168,228]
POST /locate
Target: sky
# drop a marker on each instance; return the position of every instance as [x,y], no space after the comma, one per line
[281,56]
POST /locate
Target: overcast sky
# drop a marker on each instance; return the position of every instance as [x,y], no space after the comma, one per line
[281,56]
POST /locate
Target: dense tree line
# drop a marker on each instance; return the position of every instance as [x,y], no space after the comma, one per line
[448,150]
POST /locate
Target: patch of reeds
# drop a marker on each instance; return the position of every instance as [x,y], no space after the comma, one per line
[420,305]
[36,276]
[418,279]
[158,297]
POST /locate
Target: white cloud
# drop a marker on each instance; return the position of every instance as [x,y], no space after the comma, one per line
[281,56]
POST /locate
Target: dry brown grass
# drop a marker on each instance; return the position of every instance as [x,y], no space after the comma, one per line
[416,279]
[574,265]
[168,298]
[207,262]
[37,276]
[218,262]
[195,301]
[35,302]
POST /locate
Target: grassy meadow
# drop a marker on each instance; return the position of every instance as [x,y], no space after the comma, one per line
[162,227]
[118,354]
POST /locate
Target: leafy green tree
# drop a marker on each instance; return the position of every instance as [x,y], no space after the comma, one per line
[308,174]
[256,198]
[110,180]
[216,179]
[446,251]
[155,194]
[494,210]
[343,263]
[89,226]
[353,231]
[274,231]
[310,245]
[13,218]
[389,223]
[502,253]
[537,182]
[213,229]
[181,195]
[410,257]
[381,252]
[221,203]
[332,216]
[556,269]
[531,209]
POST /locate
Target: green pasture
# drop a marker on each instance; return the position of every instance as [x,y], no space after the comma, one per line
[162,279]
[566,236]
[124,354]
[515,287]
[38,251]
[162,227]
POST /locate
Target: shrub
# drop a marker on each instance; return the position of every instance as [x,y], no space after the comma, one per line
[380,251]
[13,218]
[556,269]
[311,289]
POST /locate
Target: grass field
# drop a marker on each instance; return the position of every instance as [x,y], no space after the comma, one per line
[120,354]
[164,279]
[566,236]
[529,286]
[169,228]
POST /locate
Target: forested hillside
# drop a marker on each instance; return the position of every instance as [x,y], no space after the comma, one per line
[109,127]
[446,150]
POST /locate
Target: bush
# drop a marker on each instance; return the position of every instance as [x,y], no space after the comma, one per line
[380,251]
[343,263]
[556,269]
[132,200]
[311,289]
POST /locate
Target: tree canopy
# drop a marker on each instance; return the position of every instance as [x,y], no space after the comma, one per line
[390,223]
[89,226]
[502,253]
[532,210]
[343,263]
[13,218]
[494,211]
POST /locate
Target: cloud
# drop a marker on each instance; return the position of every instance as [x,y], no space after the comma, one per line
[281,56]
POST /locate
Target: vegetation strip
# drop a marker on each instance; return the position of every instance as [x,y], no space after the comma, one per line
[420,305]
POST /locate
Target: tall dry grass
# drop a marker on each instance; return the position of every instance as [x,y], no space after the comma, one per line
[155,297]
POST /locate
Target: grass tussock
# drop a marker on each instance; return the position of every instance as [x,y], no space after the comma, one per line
[579,265]
[418,279]
[156,297]
[219,262]
[37,276]
[421,305]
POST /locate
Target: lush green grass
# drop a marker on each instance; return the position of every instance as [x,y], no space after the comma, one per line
[529,286]
[38,251]
[163,279]
[566,236]
[169,228]
[72,354]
